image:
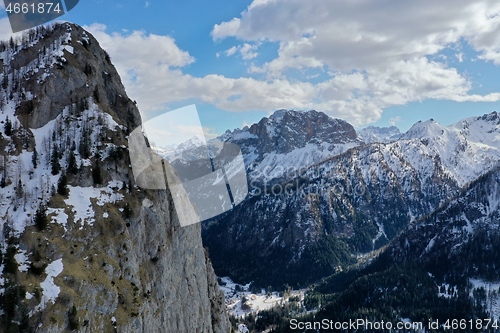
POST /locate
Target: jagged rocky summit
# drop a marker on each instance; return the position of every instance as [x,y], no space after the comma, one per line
[83,248]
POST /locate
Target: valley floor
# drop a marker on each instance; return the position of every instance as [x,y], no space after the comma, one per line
[240,301]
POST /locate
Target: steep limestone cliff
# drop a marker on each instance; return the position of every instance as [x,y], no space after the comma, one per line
[83,248]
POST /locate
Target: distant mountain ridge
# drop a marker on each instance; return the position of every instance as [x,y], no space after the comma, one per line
[291,219]
[372,134]
[291,140]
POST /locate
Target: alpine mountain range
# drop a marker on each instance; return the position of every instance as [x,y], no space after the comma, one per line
[375,222]
[323,194]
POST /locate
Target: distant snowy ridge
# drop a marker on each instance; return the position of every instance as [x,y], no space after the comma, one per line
[372,134]
[466,149]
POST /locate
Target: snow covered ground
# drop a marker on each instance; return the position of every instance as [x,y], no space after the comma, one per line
[50,289]
[240,301]
[492,296]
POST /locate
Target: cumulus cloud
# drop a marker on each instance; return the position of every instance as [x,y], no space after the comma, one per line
[371,55]
[361,34]
[394,120]
[376,53]
[151,68]
[231,51]
[246,50]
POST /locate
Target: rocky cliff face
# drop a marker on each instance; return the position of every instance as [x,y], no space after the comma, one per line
[83,248]
[291,140]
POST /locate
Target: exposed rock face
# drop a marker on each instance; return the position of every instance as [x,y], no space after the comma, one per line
[81,69]
[291,140]
[105,256]
[285,131]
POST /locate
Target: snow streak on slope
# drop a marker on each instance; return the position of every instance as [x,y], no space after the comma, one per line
[37,183]
[80,200]
[492,293]
[50,289]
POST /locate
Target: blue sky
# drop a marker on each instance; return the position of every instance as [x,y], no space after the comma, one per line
[378,62]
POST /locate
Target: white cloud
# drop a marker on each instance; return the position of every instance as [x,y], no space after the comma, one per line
[151,69]
[148,64]
[362,34]
[246,50]
[371,55]
[394,120]
[157,49]
[231,51]
[376,53]
[209,132]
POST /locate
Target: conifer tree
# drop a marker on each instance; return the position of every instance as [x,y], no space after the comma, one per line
[41,219]
[34,158]
[62,185]
[72,167]
[96,172]
[54,160]
[19,189]
[8,127]
[84,147]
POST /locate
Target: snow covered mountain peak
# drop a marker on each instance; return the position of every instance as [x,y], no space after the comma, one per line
[424,129]
[466,149]
[193,142]
[295,139]
[279,114]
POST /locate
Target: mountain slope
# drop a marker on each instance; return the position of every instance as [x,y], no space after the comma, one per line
[348,205]
[466,149]
[446,263]
[460,239]
[83,248]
